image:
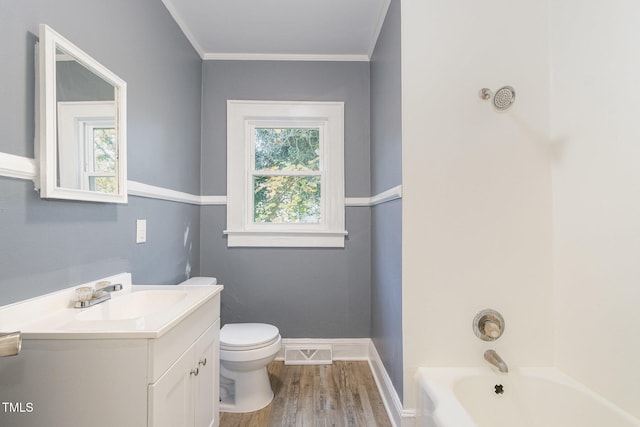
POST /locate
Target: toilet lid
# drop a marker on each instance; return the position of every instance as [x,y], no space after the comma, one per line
[239,336]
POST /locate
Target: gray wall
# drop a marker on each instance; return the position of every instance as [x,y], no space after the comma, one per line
[74,83]
[386,219]
[46,245]
[306,292]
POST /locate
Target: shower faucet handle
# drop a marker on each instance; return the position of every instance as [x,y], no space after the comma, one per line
[492,329]
[488,325]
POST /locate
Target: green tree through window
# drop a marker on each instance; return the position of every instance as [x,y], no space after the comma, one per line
[287,182]
[103,168]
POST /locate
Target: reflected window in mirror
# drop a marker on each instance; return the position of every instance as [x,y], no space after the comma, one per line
[87,146]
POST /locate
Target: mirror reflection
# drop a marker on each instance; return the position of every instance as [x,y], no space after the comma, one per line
[87,137]
[81,125]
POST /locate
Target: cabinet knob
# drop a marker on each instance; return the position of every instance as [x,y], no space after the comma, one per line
[195,372]
[203,362]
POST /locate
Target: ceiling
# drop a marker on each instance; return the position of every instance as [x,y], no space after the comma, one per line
[344,30]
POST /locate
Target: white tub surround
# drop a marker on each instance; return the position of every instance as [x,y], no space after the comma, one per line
[146,357]
[535,397]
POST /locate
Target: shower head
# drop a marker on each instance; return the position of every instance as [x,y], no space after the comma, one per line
[504,98]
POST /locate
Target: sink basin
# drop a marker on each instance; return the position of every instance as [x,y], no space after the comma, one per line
[133,305]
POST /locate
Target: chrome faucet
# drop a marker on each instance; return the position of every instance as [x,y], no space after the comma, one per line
[492,357]
[107,289]
[10,343]
[101,294]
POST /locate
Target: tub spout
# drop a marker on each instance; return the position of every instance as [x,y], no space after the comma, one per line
[492,357]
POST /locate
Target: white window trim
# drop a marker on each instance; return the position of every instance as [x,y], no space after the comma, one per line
[241,230]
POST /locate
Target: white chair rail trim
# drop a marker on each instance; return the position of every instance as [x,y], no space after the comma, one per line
[20,167]
[144,190]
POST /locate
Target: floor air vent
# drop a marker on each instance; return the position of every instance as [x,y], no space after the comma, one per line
[307,355]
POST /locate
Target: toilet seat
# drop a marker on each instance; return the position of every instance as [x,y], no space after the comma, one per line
[247,336]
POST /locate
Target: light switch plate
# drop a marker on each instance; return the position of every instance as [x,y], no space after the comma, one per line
[141,231]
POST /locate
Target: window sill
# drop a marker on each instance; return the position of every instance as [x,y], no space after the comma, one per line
[283,239]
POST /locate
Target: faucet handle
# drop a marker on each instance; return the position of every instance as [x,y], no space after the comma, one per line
[84,293]
[488,325]
[10,343]
[491,329]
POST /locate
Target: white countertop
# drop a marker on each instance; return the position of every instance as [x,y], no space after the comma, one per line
[53,316]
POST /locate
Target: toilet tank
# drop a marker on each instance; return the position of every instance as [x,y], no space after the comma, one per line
[200,281]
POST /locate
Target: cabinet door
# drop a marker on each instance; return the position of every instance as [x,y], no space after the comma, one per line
[207,381]
[171,397]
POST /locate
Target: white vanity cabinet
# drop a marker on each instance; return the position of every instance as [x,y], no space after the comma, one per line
[125,372]
[187,393]
[184,372]
[207,384]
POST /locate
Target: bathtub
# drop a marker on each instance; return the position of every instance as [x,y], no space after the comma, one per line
[525,397]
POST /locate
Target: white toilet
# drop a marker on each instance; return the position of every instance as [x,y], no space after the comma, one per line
[245,351]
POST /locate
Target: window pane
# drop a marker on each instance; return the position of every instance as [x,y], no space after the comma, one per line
[103,184]
[292,149]
[292,199]
[104,150]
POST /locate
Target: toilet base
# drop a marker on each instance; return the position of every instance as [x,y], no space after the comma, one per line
[246,391]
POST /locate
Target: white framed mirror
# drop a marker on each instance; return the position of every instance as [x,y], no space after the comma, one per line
[81,135]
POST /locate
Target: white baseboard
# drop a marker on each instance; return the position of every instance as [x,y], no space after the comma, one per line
[362,349]
[342,348]
[398,416]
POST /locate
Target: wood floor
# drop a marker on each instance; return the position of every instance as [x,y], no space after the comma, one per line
[341,394]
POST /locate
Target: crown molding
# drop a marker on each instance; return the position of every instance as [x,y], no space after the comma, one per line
[183,26]
[283,57]
[378,29]
[238,56]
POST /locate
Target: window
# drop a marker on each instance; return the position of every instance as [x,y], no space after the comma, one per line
[285,173]
[87,146]
[100,162]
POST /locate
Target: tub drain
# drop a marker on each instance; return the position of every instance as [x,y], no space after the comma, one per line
[498,389]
